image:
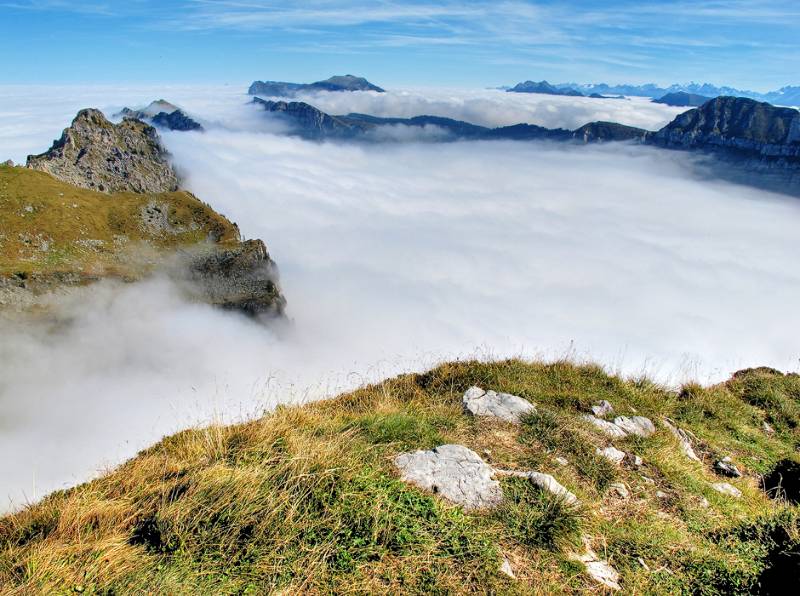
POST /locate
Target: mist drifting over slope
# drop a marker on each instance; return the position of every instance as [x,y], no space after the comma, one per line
[393,258]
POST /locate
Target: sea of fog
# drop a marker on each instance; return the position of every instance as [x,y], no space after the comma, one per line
[394,257]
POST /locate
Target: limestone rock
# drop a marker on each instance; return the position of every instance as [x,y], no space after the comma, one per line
[454,472]
[506,569]
[603,409]
[599,570]
[683,440]
[612,454]
[725,467]
[545,482]
[635,425]
[96,154]
[726,489]
[505,406]
[619,489]
[608,428]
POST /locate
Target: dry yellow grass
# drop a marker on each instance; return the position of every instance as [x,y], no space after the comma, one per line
[306,499]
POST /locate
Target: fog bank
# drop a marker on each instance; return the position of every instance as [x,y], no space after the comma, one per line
[393,258]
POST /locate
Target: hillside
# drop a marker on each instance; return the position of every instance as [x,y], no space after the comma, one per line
[104,202]
[50,226]
[309,499]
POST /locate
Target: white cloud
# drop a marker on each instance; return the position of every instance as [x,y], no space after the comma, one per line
[392,258]
[491,107]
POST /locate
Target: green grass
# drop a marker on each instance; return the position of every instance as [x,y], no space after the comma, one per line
[47,226]
[307,499]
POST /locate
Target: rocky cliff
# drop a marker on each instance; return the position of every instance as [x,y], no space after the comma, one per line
[97,154]
[106,203]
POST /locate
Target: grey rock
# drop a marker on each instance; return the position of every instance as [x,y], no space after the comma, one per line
[725,467]
[603,409]
[8,163]
[684,440]
[505,406]
[96,154]
[635,425]
[506,569]
[767,428]
[545,482]
[456,473]
[619,489]
[561,461]
[598,569]
[634,460]
[612,454]
[727,489]
[241,278]
[608,428]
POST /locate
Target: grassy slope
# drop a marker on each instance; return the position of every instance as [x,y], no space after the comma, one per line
[306,499]
[47,226]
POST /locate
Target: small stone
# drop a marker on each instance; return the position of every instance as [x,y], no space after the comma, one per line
[648,480]
[603,409]
[725,467]
[726,489]
[505,406]
[767,428]
[683,440]
[8,163]
[600,571]
[619,489]
[608,428]
[661,495]
[643,564]
[612,454]
[635,425]
[561,461]
[545,482]
[634,460]
[506,569]
[704,503]
[456,473]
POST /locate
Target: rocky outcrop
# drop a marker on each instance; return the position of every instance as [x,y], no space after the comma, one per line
[242,278]
[93,153]
[456,473]
[741,126]
[504,406]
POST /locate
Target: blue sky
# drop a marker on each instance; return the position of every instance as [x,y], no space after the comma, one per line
[746,44]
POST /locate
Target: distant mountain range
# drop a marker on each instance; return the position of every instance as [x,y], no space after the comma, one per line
[335,83]
[754,136]
[162,114]
[543,87]
[785,96]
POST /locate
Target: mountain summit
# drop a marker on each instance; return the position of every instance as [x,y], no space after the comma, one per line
[335,83]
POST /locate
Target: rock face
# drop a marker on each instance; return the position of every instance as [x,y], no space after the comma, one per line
[96,154]
[335,83]
[505,406]
[740,126]
[242,278]
[309,122]
[454,472]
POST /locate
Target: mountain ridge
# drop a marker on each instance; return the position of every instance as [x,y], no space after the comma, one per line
[336,83]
